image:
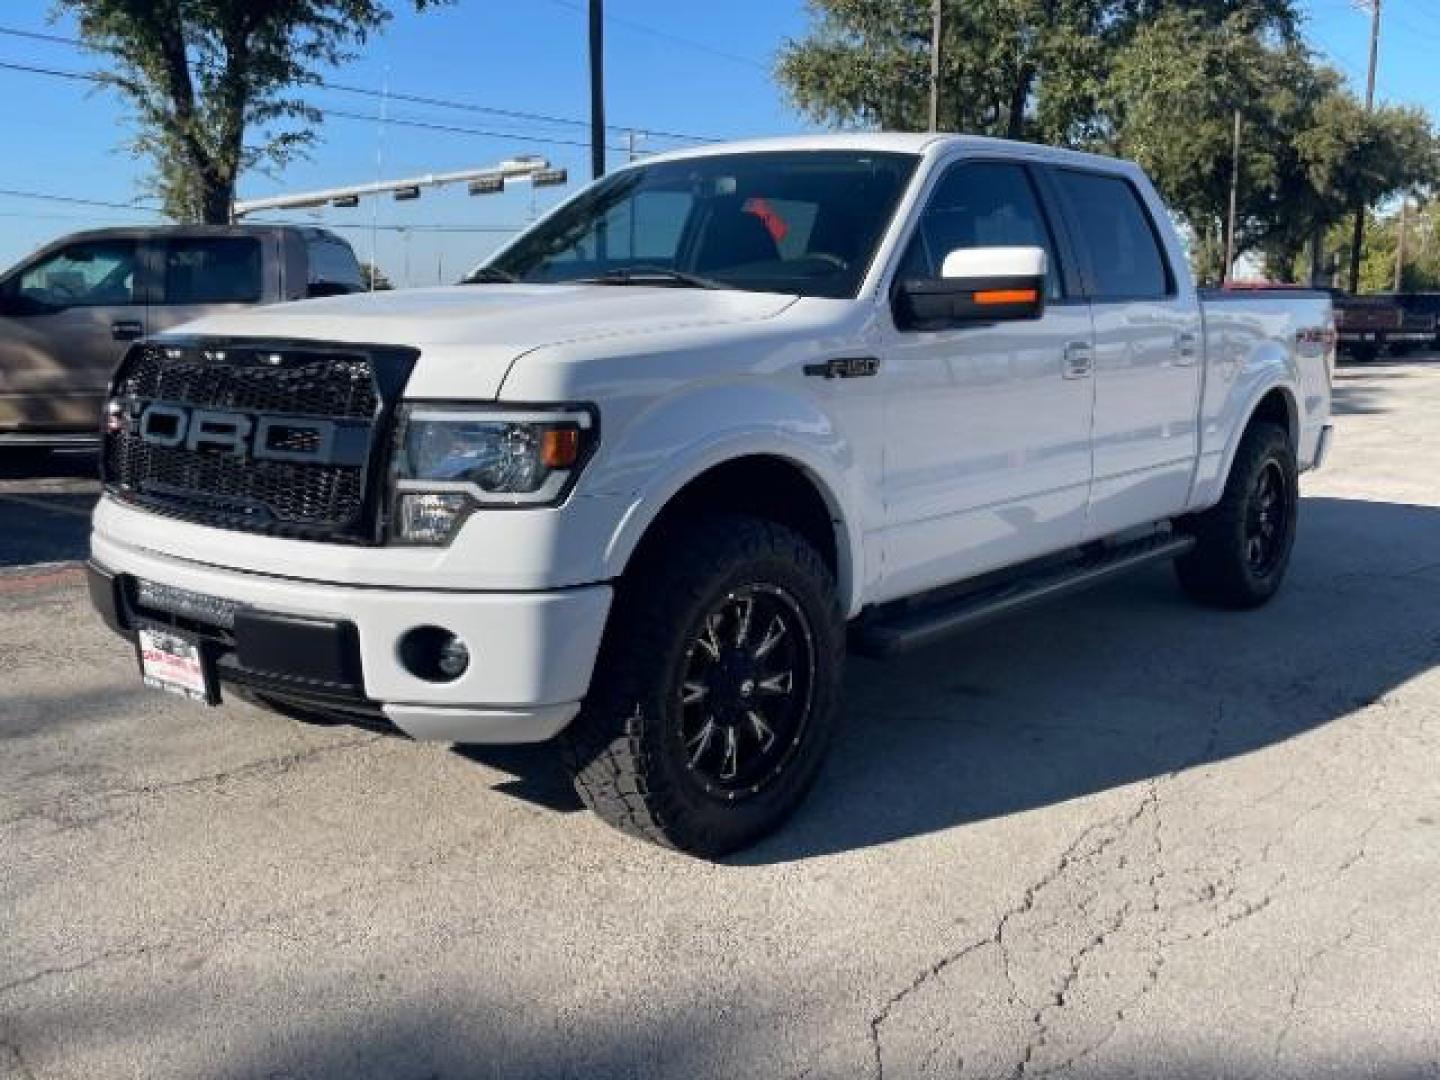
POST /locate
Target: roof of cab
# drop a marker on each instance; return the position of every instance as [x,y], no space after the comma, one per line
[142,232]
[894,143]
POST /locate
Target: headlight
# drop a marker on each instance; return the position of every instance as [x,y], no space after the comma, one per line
[451,461]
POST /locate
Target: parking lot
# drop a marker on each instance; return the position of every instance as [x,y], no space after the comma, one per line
[1120,837]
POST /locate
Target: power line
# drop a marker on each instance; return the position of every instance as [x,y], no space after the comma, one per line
[453,129]
[341,114]
[35,35]
[413,99]
[82,76]
[512,114]
[666,35]
[47,197]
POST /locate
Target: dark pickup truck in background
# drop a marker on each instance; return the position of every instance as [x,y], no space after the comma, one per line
[69,311]
[1386,322]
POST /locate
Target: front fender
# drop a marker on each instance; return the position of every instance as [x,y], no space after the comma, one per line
[675,440]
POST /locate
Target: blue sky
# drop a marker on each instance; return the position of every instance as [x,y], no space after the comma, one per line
[689,68]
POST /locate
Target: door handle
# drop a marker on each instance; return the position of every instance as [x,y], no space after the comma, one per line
[1079,360]
[1187,348]
[126,330]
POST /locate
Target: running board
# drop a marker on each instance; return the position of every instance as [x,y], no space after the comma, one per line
[917,625]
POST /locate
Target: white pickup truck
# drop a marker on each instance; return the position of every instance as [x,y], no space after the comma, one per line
[645,477]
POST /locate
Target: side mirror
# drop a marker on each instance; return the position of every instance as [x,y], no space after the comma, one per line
[976,285]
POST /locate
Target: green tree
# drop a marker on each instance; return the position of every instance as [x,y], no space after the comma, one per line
[1377,267]
[374,278]
[1032,69]
[212,83]
[1155,80]
[1347,158]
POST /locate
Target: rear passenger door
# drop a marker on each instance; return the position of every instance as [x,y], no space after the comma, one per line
[204,275]
[1149,350]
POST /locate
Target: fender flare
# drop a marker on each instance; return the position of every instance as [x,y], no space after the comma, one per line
[819,466]
[1252,406]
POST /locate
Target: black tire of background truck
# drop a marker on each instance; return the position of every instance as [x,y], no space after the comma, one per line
[627,749]
[1363,354]
[1219,570]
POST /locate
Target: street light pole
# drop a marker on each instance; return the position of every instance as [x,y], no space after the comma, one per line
[1358,236]
[597,88]
[1234,204]
[1400,243]
[936,25]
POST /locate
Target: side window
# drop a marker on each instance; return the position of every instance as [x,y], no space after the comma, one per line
[1114,227]
[212,270]
[98,274]
[333,266]
[981,204]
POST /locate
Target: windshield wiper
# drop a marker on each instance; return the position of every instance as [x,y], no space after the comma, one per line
[489,275]
[650,275]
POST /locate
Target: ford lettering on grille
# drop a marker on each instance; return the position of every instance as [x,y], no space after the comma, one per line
[280,437]
[264,438]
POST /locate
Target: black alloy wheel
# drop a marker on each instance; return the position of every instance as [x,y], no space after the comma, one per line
[745,691]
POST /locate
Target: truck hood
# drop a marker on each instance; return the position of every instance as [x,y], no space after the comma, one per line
[470,335]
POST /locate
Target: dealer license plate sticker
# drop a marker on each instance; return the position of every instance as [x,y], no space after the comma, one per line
[172,662]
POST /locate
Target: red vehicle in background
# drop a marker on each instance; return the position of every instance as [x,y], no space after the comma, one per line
[1367,325]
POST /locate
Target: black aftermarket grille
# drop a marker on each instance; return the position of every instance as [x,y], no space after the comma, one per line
[290,393]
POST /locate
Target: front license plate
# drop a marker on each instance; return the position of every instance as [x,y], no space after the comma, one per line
[174,662]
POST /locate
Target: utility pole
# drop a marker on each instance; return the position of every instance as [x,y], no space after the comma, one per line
[937,19]
[597,88]
[1234,203]
[1358,237]
[1400,243]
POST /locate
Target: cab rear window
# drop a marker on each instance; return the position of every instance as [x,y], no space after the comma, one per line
[212,270]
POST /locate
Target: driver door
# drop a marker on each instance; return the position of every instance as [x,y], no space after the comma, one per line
[987,426]
[65,322]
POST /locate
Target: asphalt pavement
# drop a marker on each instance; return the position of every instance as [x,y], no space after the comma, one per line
[1119,837]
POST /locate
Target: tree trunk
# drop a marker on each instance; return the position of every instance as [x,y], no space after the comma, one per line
[1019,97]
[216,197]
[1317,259]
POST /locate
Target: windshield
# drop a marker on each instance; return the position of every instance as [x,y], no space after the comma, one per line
[800,222]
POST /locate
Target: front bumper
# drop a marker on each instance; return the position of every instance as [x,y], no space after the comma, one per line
[336,648]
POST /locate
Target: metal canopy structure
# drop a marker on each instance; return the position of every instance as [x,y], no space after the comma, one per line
[486,181]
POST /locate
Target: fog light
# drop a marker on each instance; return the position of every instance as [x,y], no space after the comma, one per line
[434,654]
[430,518]
[454,658]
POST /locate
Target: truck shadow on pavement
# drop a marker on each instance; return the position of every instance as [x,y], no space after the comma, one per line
[1125,685]
[45,504]
[1362,389]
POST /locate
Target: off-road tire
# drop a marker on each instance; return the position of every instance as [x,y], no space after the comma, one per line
[1219,570]
[626,751]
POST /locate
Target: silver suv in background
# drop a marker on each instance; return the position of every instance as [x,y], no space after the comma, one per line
[69,311]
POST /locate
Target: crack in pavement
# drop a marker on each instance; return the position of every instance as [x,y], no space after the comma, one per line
[209,936]
[1075,854]
[266,767]
[10,1048]
[1302,978]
